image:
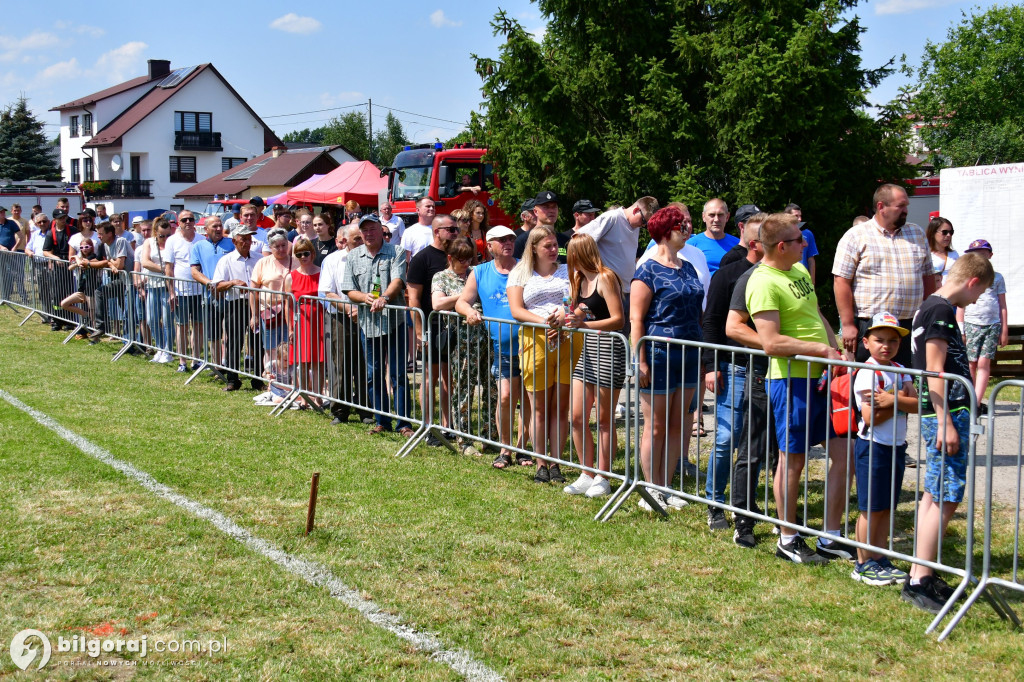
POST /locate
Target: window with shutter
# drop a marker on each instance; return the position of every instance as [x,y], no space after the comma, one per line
[183,169]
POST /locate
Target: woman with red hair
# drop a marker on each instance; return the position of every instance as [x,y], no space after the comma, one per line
[666,299]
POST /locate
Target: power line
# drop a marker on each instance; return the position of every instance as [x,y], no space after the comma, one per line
[317,111]
[446,120]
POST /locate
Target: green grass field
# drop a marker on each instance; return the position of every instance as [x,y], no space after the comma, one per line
[516,574]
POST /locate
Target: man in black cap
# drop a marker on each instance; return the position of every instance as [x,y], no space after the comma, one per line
[526,217]
[265,222]
[583,211]
[545,210]
[56,246]
[739,252]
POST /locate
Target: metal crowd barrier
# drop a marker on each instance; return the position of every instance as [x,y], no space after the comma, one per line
[313,353]
[557,423]
[1004,561]
[835,482]
[341,359]
[16,282]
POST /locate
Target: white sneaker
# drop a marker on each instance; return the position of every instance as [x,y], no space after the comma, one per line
[676,502]
[658,497]
[163,357]
[600,488]
[580,485]
[620,412]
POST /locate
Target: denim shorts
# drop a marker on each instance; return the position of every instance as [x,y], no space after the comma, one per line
[671,367]
[946,480]
[793,412]
[273,336]
[878,484]
[505,366]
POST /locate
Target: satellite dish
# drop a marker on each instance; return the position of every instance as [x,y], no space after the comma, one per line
[115,163]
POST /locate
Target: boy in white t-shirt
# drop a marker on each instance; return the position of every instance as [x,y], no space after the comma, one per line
[883,399]
[984,326]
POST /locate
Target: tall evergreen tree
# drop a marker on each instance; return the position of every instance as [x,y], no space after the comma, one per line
[747,101]
[24,149]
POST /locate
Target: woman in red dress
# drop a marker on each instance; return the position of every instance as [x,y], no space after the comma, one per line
[307,342]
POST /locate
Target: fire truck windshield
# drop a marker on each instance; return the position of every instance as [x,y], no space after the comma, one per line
[411,183]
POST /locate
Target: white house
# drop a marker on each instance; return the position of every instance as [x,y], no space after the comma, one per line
[147,139]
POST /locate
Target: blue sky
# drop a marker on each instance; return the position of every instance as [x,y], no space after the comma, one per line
[307,56]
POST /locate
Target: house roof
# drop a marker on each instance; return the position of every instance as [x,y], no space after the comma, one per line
[103,94]
[290,168]
[160,90]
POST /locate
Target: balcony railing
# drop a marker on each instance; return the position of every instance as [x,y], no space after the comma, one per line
[196,141]
[118,189]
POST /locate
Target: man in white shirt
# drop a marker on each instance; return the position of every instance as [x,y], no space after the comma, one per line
[249,217]
[346,364]
[188,311]
[418,237]
[235,270]
[391,221]
[617,233]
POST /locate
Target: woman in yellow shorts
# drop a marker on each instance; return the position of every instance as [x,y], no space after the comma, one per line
[537,289]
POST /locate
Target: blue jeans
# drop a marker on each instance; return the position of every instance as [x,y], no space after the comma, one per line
[392,348]
[730,408]
[158,315]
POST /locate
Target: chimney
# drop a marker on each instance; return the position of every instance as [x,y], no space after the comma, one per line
[277,151]
[158,68]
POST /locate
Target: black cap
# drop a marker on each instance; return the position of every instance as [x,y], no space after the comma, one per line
[527,205]
[57,213]
[746,212]
[257,201]
[543,197]
[585,206]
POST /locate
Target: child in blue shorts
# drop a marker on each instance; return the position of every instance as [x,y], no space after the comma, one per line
[945,420]
[883,400]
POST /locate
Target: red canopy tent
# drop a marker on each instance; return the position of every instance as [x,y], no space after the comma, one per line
[359,180]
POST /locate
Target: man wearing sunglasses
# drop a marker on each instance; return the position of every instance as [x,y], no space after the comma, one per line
[882,265]
[188,312]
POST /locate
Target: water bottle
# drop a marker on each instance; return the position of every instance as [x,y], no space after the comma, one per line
[375,289]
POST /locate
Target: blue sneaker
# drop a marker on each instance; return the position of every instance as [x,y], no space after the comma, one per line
[871,573]
[897,575]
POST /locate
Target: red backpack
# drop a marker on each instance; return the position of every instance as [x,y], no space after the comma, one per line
[844,418]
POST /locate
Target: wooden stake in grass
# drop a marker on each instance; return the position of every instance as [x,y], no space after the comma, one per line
[314,487]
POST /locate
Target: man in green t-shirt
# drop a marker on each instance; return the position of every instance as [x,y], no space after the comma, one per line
[782,302]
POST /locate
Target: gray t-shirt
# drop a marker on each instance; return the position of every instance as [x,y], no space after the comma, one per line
[986,310]
[118,249]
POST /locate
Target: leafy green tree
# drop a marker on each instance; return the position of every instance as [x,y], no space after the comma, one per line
[25,153]
[306,135]
[747,101]
[351,131]
[968,90]
[388,141]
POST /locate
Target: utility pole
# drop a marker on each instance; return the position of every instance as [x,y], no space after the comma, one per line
[370,106]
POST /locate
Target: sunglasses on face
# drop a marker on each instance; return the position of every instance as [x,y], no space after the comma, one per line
[303,254]
[186,220]
[387,236]
[946,232]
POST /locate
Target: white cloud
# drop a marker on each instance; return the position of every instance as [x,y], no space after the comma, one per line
[90,31]
[62,70]
[329,99]
[538,33]
[439,20]
[16,47]
[121,63]
[906,6]
[114,66]
[293,23]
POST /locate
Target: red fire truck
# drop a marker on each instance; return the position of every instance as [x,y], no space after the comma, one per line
[450,177]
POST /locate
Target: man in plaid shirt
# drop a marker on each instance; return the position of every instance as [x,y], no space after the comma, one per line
[882,265]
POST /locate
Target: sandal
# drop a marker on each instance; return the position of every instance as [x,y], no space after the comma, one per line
[524,460]
[502,461]
[698,429]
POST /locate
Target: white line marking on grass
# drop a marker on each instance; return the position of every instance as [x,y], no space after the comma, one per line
[312,572]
